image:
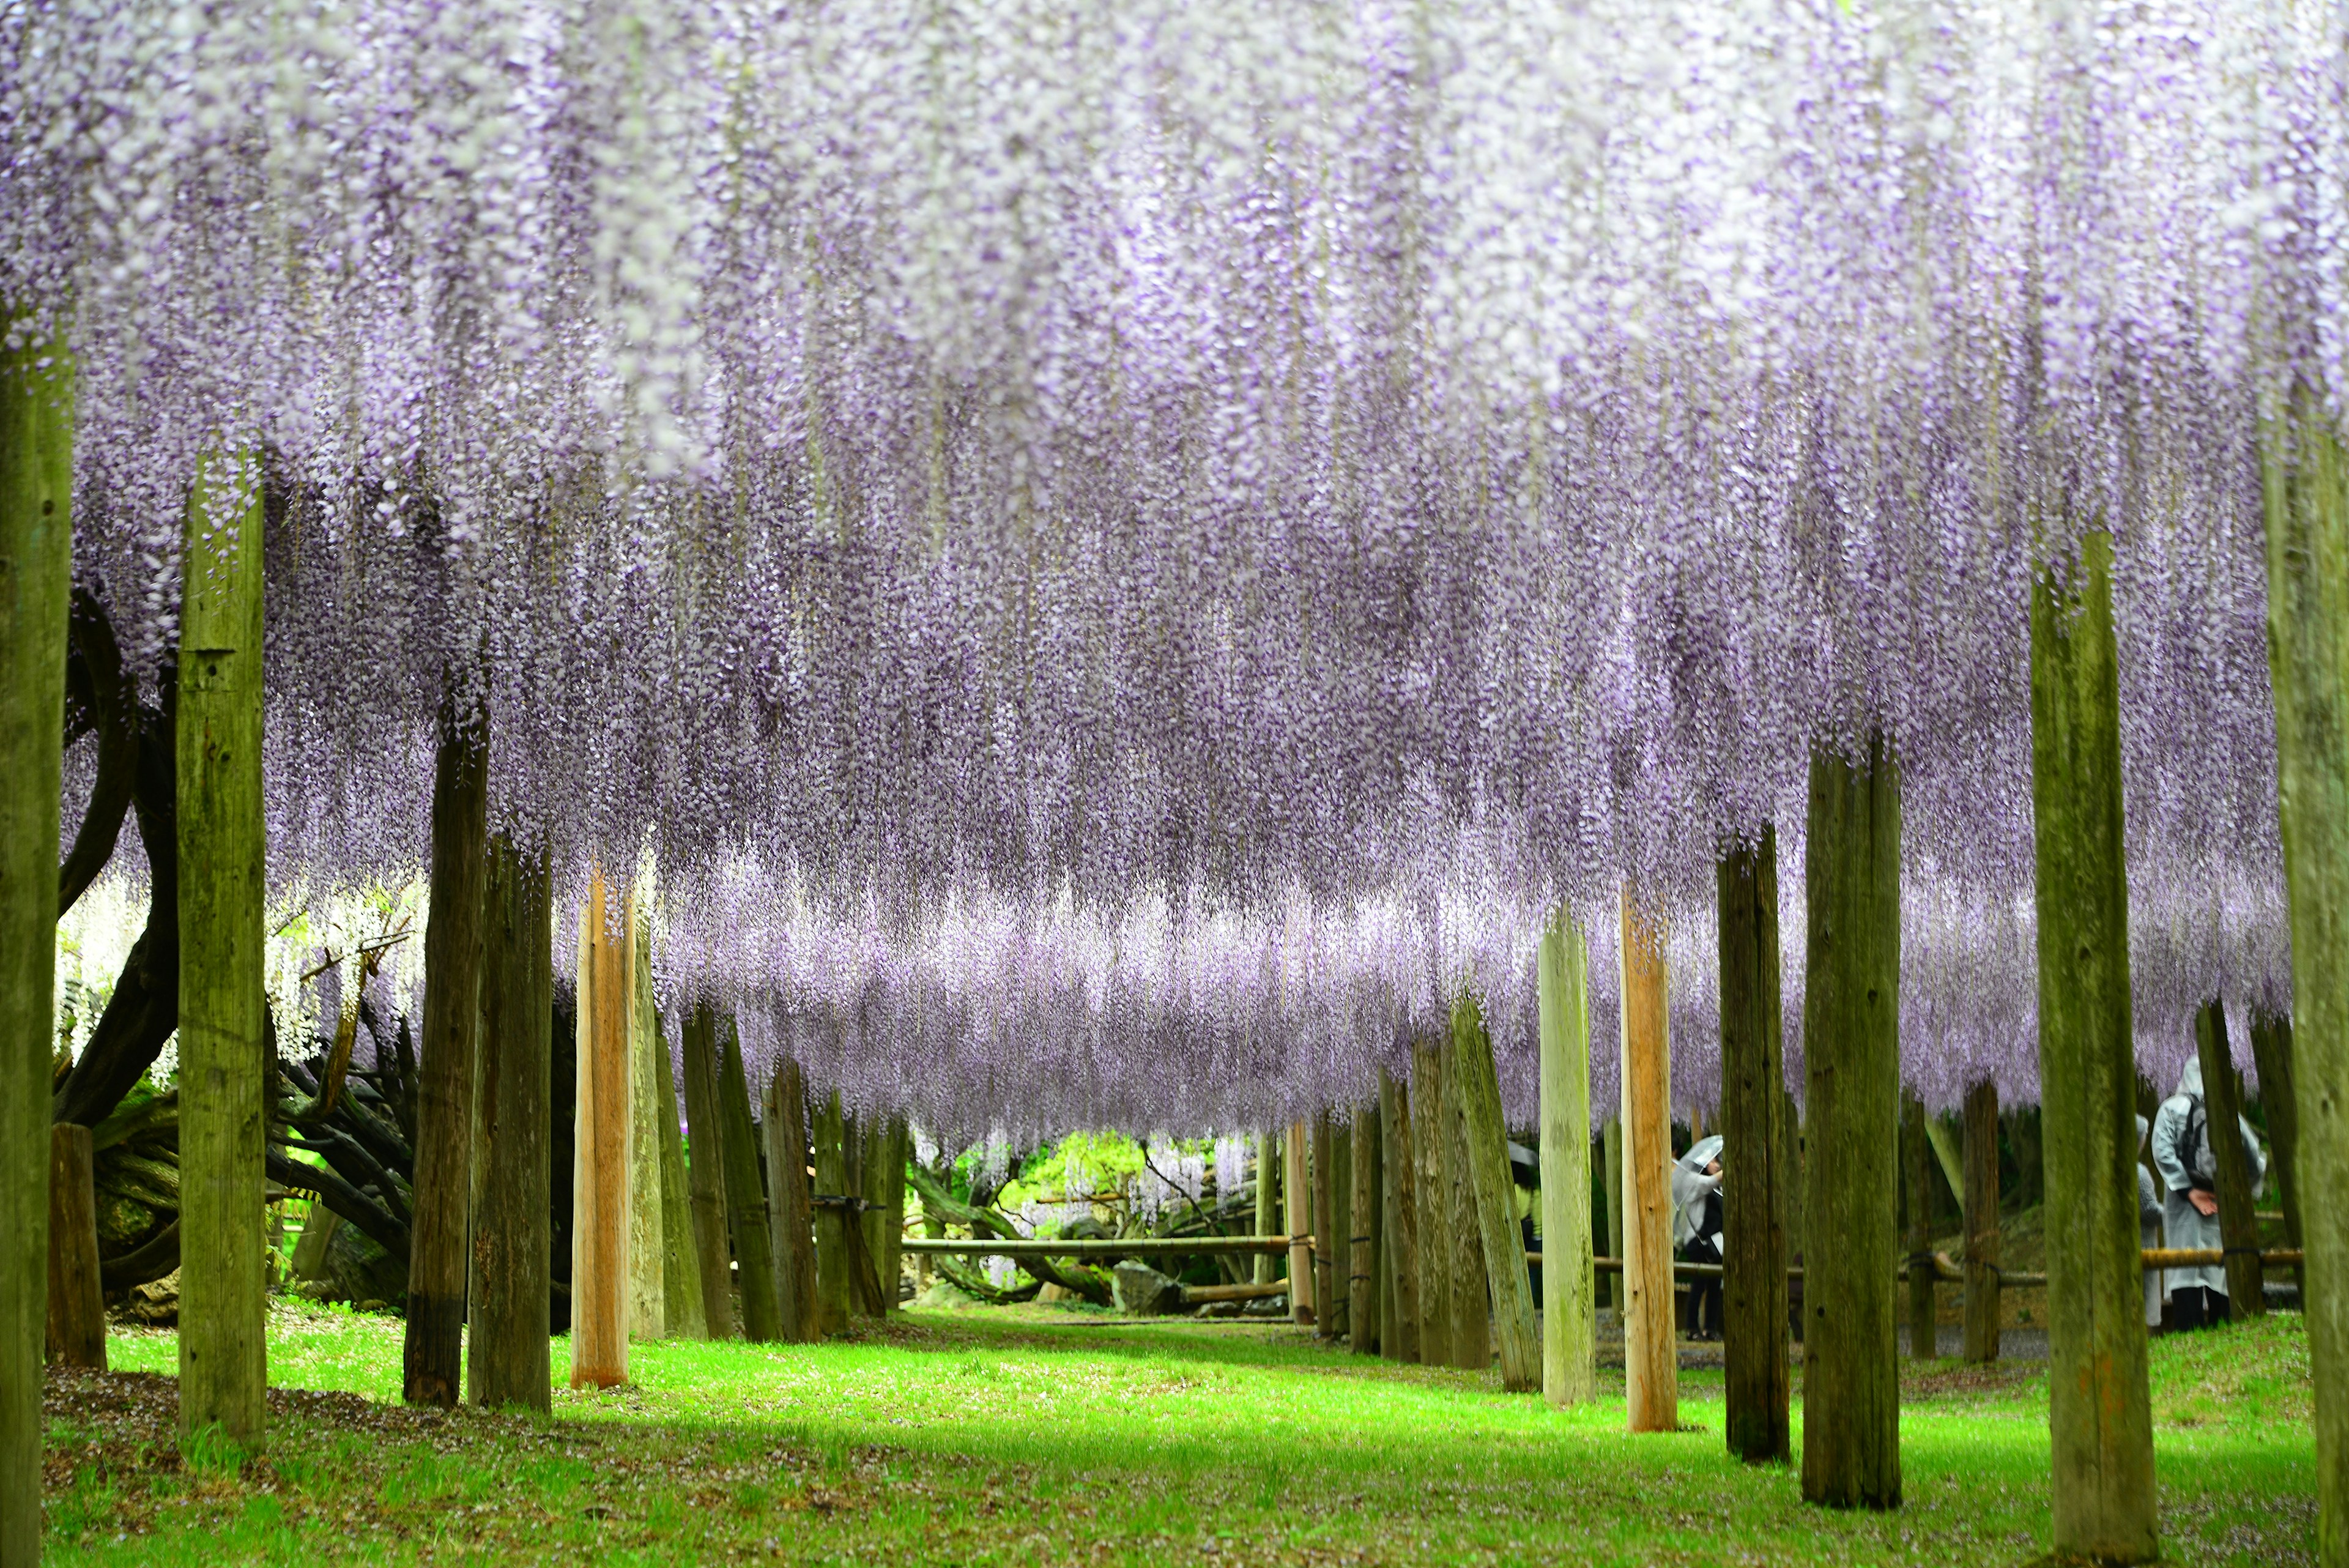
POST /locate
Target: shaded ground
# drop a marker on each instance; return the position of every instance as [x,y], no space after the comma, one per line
[1041,1435]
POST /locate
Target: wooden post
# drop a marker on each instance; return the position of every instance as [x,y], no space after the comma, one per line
[1297,1199]
[893,1217]
[686,1311]
[1757,1380]
[77,1314]
[1651,1375]
[1268,1202]
[1851,1054]
[2100,1408]
[37,540]
[1569,1297]
[1340,1246]
[2271,1054]
[1792,1189]
[223,1305]
[1611,1174]
[1366,1310]
[2222,1101]
[647,1240]
[1472,1316]
[507,1355]
[1982,1240]
[1916,1157]
[705,1178]
[1430,1134]
[1398,1333]
[432,1362]
[834,1285]
[2030,1184]
[1325,1228]
[600,1162]
[1484,1157]
[746,1198]
[786,1176]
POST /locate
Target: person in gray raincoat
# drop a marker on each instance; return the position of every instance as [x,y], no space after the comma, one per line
[1696,1229]
[2149,1230]
[2189,1208]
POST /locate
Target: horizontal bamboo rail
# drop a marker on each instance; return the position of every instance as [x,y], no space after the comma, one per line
[1946,1269]
[1133,1247]
[1198,1296]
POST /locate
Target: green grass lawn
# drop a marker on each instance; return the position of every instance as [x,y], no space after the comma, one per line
[1044,1436]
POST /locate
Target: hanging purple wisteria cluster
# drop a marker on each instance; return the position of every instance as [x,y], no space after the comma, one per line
[1114,556]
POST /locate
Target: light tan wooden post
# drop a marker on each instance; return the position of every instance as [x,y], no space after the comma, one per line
[1651,1347]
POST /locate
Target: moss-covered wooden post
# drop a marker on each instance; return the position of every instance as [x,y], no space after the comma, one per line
[1297,1214]
[1917,1175]
[1756,1376]
[835,1285]
[1429,1134]
[600,1163]
[799,1317]
[2271,1054]
[746,1196]
[2101,1411]
[1325,1252]
[1569,1299]
[1366,1312]
[77,1317]
[1485,1154]
[507,1352]
[1471,1317]
[1851,1054]
[432,1359]
[223,1306]
[35,574]
[1400,1339]
[1268,1202]
[687,1312]
[1982,1239]
[2238,1224]
[1652,1378]
[706,1175]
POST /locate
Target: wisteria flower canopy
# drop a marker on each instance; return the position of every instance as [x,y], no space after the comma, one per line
[1114,556]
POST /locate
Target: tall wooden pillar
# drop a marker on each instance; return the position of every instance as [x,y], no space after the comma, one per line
[1268,1203]
[2100,1409]
[706,1176]
[507,1354]
[1472,1315]
[800,1318]
[77,1314]
[684,1307]
[1981,1223]
[223,1120]
[1430,1134]
[648,1232]
[746,1195]
[1297,1201]
[1851,1054]
[1757,1381]
[1924,1321]
[2222,1101]
[1611,1174]
[600,1162]
[834,1285]
[1325,1225]
[1399,1336]
[1570,1296]
[1651,1375]
[1485,1161]
[2271,1054]
[1366,1310]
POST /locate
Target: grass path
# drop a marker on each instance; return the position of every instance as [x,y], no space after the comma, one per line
[1038,1435]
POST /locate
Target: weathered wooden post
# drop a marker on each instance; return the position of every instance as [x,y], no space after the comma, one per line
[1338,1299]
[2101,1407]
[1268,1203]
[1982,1240]
[1367,1311]
[1924,1321]
[686,1311]
[892,1218]
[1297,1201]
[1399,1334]
[37,540]
[1485,1161]
[1851,1054]
[835,1286]
[600,1162]
[1610,1175]
[1569,1297]
[648,1235]
[2222,1101]
[1430,1133]
[1472,1316]
[507,1354]
[1757,1381]
[787,1175]
[77,1306]
[2271,1054]
[1324,1271]
[223,1121]
[1651,1375]
[746,1197]
[705,1178]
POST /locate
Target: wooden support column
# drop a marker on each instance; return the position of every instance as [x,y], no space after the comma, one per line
[1757,1380]
[1794,1186]
[799,1317]
[1652,1377]
[1367,1312]
[1340,1245]
[1611,1174]
[37,540]
[746,1196]
[687,1313]
[223,1308]
[648,1235]
[1916,1156]
[2222,1101]
[706,1176]
[600,1162]
[1851,1053]
[1297,1203]
[835,1283]
[1430,1132]
[1325,1229]
[77,1313]
[1399,1334]
[1485,1161]
[2100,1410]
[2271,1054]
[1570,1296]
[1268,1202]
[1472,1316]
[1982,1240]
[507,1354]
[893,1217]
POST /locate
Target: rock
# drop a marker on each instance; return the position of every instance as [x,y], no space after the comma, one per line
[156,1304]
[356,1269]
[1141,1291]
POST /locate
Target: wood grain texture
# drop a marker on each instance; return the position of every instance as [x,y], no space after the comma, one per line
[1916,1173]
[1297,1217]
[604,1122]
[77,1316]
[1472,1311]
[1982,1239]
[647,1237]
[798,1320]
[1432,1195]
[1323,1156]
[1651,1347]
[1485,1160]
[1756,1376]
[1570,1317]
[1400,1329]
[1268,1200]
[705,1178]
[746,1195]
[833,1266]
[1366,1313]
[507,1354]
[2271,1054]
[686,1313]
[2222,1100]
